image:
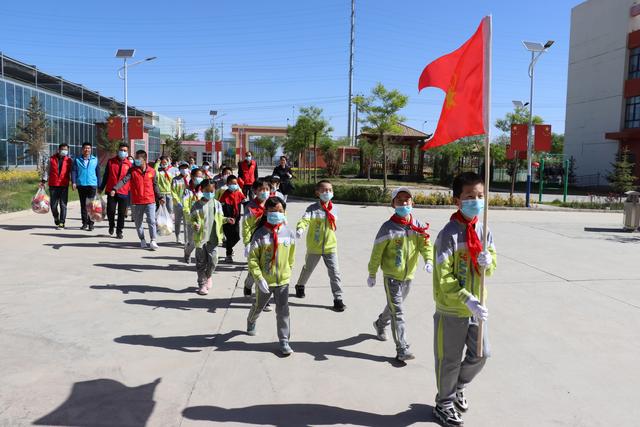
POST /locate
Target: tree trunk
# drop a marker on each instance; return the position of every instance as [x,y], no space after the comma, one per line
[384,162]
[514,175]
[315,157]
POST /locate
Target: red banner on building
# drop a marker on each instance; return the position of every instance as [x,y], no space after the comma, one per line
[208,146]
[114,128]
[218,146]
[519,135]
[136,127]
[542,139]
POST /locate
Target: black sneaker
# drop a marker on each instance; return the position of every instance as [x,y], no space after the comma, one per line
[111,230]
[247,292]
[300,292]
[448,416]
[119,236]
[84,227]
[267,308]
[461,400]
[338,305]
[90,227]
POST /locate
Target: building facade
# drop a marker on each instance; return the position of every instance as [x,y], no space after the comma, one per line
[603,88]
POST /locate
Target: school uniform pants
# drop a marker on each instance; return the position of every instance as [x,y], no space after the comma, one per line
[189,244]
[281,297]
[85,192]
[180,222]
[59,196]
[231,235]
[117,204]
[393,314]
[451,336]
[138,212]
[331,262]
[206,261]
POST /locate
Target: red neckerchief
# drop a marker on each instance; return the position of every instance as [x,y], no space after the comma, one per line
[274,235]
[257,212]
[473,241]
[409,223]
[330,216]
[186,182]
[232,198]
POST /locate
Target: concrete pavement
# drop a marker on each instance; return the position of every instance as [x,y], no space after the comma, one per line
[97,332]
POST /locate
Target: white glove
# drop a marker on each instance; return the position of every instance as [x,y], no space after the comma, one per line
[263,286]
[371,281]
[428,267]
[299,232]
[479,311]
[485,259]
[246,251]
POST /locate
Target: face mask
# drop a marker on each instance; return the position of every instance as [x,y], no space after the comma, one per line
[248,158]
[205,167]
[263,195]
[163,166]
[184,172]
[275,218]
[64,152]
[137,162]
[208,195]
[122,154]
[472,208]
[403,211]
[234,187]
[194,167]
[325,197]
[198,180]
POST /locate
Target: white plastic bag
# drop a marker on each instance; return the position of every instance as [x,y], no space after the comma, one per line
[95,209]
[164,224]
[40,202]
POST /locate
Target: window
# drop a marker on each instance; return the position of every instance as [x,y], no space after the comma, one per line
[634,63]
[2,94]
[632,113]
[11,98]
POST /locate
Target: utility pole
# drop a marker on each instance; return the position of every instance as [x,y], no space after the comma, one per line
[353,23]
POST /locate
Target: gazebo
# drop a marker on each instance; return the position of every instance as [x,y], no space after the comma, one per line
[410,138]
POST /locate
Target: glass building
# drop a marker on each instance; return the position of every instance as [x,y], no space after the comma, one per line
[72,112]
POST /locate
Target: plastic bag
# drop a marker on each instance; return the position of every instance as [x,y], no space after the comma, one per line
[40,202]
[164,224]
[95,209]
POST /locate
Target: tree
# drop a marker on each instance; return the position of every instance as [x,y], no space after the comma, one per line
[207,135]
[309,127]
[331,155]
[173,145]
[33,134]
[270,146]
[557,143]
[621,177]
[380,111]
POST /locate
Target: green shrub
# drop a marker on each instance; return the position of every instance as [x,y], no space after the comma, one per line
[347,193]
[351,168]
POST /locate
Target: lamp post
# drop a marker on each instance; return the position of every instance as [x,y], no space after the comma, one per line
[213,114]
[536,49]
[123,74]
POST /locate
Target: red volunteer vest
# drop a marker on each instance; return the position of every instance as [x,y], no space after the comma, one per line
[142,186]
[113,166]
[62,178]
[248,172]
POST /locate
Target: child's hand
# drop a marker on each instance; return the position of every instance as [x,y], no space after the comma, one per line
[485,259]
[246,251]
[231,221]
[428,267]
[371,281]
[299,232]
[479,311]
[196,226]
[263,286]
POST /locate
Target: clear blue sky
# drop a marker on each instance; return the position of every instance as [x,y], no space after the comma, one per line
[253,60]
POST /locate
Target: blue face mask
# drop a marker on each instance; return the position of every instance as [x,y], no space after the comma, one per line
[248,158]
[403,211]
[184,172]
[208,195]
[275,218]
[122,154]
[198,180]
[325,197]
[137,162]
[234,187]
[472,208]
[263,195]
[194,167]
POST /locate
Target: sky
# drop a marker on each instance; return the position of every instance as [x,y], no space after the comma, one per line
[257,62]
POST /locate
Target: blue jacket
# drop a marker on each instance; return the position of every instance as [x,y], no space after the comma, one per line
[85,175]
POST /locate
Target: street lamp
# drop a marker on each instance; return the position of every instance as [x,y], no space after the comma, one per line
[122,74]
[213,114]
[536,49]
[520,104]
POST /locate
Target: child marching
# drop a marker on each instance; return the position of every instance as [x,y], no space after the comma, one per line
[253,212]
[460,259]
[191,195]
[397,246]
[320,218]
[179,185]
[231,200]
[271,258]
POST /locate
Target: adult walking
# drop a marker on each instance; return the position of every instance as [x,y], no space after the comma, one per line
[283,170]
[58,175]
[85,177]
[248,173]
[144,193]
[117,168]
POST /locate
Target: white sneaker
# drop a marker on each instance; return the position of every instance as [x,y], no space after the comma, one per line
[143,244]
[154,245]
[179,241]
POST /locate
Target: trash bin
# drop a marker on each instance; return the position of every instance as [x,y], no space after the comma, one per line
[631,217]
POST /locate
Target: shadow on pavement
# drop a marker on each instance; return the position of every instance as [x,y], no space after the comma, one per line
[142,267]
[320,351]
[12,227]
[110,245]
[104,402]
[604,230]
[142,289]
[211,305]
[66,235]
[308,414]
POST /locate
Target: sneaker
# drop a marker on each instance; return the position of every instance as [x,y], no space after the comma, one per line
[461,401]
[186,259]
[209,283]
[143,244]
[338,305]
[247,292]
[119,236]
[179,241]
[404,355]
[61,226]
[84,227]
[57,226]
[111,230]
[448,416]
[285,348]
[267,308]
[381,334]
[300,292]
[228,259]
[90,227]
[251,328]
[203,290]
[154,245]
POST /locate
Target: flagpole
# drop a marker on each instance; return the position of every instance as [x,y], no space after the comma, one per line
[487,158]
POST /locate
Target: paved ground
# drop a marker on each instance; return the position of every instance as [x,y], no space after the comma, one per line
[94,331]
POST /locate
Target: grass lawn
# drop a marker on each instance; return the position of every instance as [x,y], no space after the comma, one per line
[17,188]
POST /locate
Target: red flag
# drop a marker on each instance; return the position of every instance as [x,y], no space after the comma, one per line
[114,128]
[542,139]
[513,153]
[208,146]
[218,146]
[136,128]
[461,74]
[519,137]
